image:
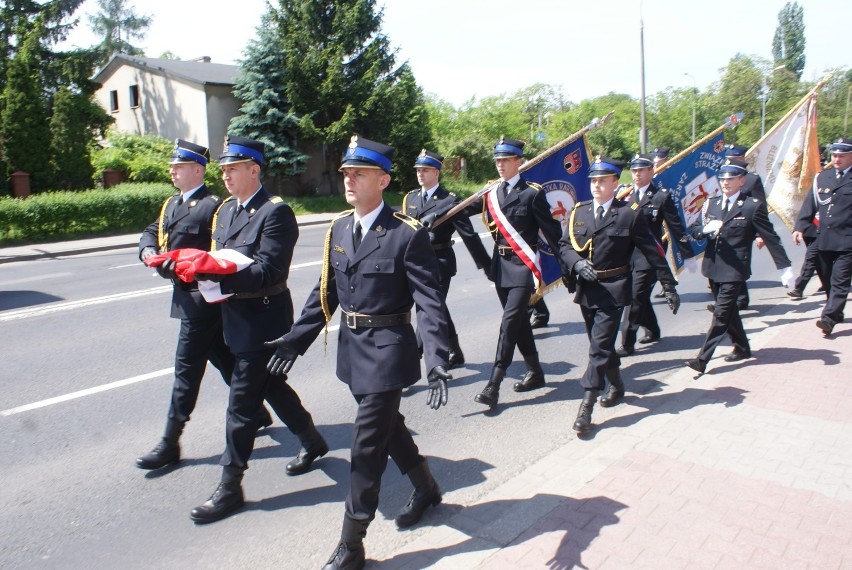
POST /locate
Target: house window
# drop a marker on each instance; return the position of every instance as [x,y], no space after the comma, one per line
[134,96]
[113,101]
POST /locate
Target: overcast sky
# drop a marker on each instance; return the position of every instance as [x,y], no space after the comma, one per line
[464,48]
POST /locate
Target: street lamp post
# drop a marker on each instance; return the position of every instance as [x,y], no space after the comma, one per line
[694,97]
[763,99]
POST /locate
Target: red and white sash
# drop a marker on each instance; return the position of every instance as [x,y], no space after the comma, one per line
[514,239]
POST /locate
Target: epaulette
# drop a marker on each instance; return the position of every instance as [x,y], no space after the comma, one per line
[214,197]
[225,201]
[534,186]
[578,204]
[407,220]
[343,214]
[276,199]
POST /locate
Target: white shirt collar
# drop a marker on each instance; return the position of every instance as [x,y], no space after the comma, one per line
[430,191]
[732,200]
[186,195]
[643,189]
[605,205]
[513,181]
[243,204]
[368,220]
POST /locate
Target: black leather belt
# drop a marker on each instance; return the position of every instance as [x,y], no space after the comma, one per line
[614,272]
[359,321]
[268,292]
[445,245]
[507,251]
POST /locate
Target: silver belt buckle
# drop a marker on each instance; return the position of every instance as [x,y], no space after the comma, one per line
[351,320]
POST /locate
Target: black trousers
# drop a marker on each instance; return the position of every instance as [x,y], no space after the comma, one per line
[250,383]
[726,320]
[810,265]
[515,329]
[602,330]
[837,270]
[199,340]
[379,433]
[539,308]
[641,312]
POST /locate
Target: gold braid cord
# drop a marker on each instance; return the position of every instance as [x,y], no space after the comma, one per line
[215,220]
[162,237]
[326,268]
[574,243]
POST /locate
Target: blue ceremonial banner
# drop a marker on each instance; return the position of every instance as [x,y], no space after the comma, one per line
[692,180]
[564,177]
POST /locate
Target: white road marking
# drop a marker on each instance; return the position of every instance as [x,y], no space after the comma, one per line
[59,307]
[99,389]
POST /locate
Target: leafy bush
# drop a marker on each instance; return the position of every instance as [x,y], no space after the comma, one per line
[61,215]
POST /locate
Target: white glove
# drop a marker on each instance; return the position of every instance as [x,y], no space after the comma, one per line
[788,280]
[711,227]
[690,264]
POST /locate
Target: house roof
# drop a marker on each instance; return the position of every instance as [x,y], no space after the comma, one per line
[200,72]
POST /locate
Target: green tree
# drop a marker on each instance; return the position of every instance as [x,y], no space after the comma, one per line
[265,114]
[117,23]
[24,131]
[340,68]
[788,43]
[76,122]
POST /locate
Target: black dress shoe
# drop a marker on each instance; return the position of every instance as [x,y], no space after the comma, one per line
[736,356]
[625,351]
[711,307]
[227,498]
[539,321]
[795,294]
[346,557]
[532,380]
[649,338]
[698,365]
[163,454]
[825,326]
[612,397]
[489,395]
[305,458]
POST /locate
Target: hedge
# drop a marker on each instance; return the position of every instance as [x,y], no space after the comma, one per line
[55,216]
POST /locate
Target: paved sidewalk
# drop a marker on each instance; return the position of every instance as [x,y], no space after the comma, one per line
[74,247]
[748,466]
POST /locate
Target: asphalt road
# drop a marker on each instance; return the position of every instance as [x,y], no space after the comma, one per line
[87,348]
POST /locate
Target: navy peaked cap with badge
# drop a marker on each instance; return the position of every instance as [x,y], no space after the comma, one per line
[843,145]
[641,161]
[364,153]
[660,152]
[733,167]
[507,147]
[429,159]
[240,149]
[735,150]
[605,166]
[185,152]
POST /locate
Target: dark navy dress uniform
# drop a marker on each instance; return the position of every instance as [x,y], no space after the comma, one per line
[657,205]
[265,229]
[810,264]
[833,205]
[427,209]
[187,224]
[727,262]
[525,207]
[606,239]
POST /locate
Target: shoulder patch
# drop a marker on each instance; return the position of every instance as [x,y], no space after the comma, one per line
[214,197]
[407,220]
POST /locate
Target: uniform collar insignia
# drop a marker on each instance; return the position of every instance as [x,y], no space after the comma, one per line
[378,228]
[634,206]
[739,202]
[193,202]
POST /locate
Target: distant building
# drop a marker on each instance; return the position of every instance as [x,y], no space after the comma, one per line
[192,100]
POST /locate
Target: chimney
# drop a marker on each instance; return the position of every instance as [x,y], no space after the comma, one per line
[202,59]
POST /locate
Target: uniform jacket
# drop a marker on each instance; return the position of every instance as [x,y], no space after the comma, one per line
[526,208]
[266,231]
[186,225]
[393,269]
[621,232]
[834,208]
[658,205]
[727,257]
[753,187]
[440,203]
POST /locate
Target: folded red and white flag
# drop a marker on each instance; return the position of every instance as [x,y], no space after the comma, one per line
[190,262]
